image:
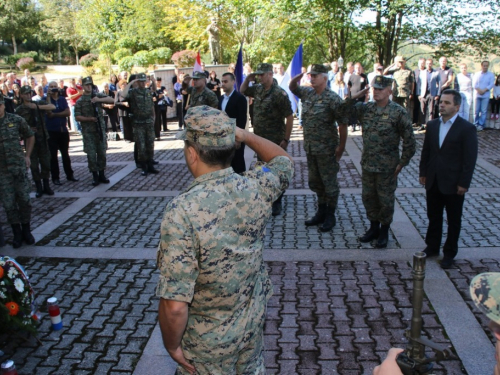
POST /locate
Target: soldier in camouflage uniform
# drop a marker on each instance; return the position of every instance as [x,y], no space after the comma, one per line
[272,113]
[14,183]
[140,100]
[88,111]
[320,111]
[40,157]
[200,94]
[213,282]
[404,82]
[384,124]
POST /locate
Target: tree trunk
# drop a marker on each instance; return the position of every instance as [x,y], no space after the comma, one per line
[59,52]
[77,59]
[14,44]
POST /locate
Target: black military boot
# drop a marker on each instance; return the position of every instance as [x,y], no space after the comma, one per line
[46,187]
[319,216]
[372,233]
[27,236]
[383,237]
[102,178]
[2,239]
[277,207]
[18,236]
[156,162]
[39,189]
[330,220]
[144,167]
[151,168]
[95,178]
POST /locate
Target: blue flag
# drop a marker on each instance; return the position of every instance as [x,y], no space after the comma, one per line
[294,68]
[238,70]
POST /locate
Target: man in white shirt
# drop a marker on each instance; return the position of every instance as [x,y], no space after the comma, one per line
[483,85]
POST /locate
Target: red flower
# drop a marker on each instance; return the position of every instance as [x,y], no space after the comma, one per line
[13,308]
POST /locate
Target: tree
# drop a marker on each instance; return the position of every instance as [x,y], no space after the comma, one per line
[18,19]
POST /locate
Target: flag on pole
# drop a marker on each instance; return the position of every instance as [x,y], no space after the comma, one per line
[238,69]
[197,63]
[293,69]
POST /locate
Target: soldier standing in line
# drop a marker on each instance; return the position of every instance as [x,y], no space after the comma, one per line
[14,183]
[272,111]
[140,100]
[40,157]
[200,94]
[384,124]
[320,110]
[404,82]
[88,111]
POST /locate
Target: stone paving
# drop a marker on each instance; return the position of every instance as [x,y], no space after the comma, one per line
[338,305]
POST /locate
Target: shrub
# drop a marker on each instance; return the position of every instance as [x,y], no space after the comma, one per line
[160,55]
[87,60]
[142,58]
[121,53]
[126,63]
[25,63]
[12,59]
[184,59]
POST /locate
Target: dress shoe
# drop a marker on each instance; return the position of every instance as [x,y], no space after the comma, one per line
[56,182]
[430,252]
[446,263]
[72,178]
[276,208]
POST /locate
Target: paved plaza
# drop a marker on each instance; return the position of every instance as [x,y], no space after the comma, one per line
[338,304]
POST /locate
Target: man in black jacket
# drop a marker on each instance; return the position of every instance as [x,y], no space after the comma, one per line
[448,160]
[235,105]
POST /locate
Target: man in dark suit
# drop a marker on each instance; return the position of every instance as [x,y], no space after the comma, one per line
[235,105]
[448,160]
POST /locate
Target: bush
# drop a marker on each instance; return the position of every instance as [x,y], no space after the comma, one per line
[160,55]
[143,58]
[87,60]
[184,59]
[121,53]
[25,63]
[12,59]
[126,63]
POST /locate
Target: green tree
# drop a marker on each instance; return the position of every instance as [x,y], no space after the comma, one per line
[18,19]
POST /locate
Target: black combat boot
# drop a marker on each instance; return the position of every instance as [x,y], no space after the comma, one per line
[330,220]
[95,178]
[277,207]
[372,233]
[46,187]
[2,239]
[151,168]
[27,236]
[383,237]
[18,236]
[39,189]
[319,216]
[144,167]
[102,178]
[156,162]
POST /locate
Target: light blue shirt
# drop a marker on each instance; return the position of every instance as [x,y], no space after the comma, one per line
[484,81]
[225,99]
[444,128]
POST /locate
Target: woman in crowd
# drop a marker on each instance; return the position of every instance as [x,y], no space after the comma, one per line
[214,83]
[110,110]
[113,83]
[495,101]
[122,106]
[339,87]
[15,94]
[464,81]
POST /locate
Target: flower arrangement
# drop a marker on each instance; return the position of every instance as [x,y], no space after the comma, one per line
[17,299]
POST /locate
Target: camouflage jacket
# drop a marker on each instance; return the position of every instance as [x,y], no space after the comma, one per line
[270,109]
[35,120]
[210,255]
[383,129]
[12,129]
[84,107]
[319,114]
[403,82]
[141,105]
[205,97]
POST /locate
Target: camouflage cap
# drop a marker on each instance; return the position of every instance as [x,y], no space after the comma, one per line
[263,68]
[208,127]
[198,75]
[141,77]
[2,99]
[87,81]
[485,292]
[381,82]
[317,69]
[398,59]
[25,89]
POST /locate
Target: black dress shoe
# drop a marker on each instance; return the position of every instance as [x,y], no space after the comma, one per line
[430,252]
[72,178]
[446,263]
[57,182]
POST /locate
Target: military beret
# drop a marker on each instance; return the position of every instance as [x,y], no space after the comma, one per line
[25,89]
[208,127]
[199,75]
[485,292]
[399,58]
[87,81]
[141,77]
[381,82]
[317,69]
[264,68]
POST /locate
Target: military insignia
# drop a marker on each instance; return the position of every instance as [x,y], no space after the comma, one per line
[385,116]
[10,125]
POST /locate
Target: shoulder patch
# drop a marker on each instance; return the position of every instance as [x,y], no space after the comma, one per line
[11,125]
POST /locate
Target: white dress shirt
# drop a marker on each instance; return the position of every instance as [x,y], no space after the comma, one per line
[444,128]
[484,81]
[225,99]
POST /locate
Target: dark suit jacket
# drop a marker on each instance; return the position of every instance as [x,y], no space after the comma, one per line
[453,164]
[236,108]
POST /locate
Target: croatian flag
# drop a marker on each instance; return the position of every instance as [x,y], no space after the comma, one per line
[197,64]
[294,68]
[238,69]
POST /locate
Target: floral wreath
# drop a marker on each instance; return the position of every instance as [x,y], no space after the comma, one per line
[18,309]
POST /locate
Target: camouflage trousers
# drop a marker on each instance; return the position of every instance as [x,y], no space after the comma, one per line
[144,137]
[40,161]
[403,102]
[323,170]
[378,196]
[95,148]
[249,361]
[15,196]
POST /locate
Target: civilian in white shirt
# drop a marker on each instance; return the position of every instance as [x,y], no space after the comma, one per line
[484,82]
[464,82]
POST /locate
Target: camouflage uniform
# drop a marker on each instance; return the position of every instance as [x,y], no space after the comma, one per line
[95,141]
[403,85]
[382,130]
[14,184]
[205,97]
[210,254]
[40,157]
[142,108]
[485,292]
